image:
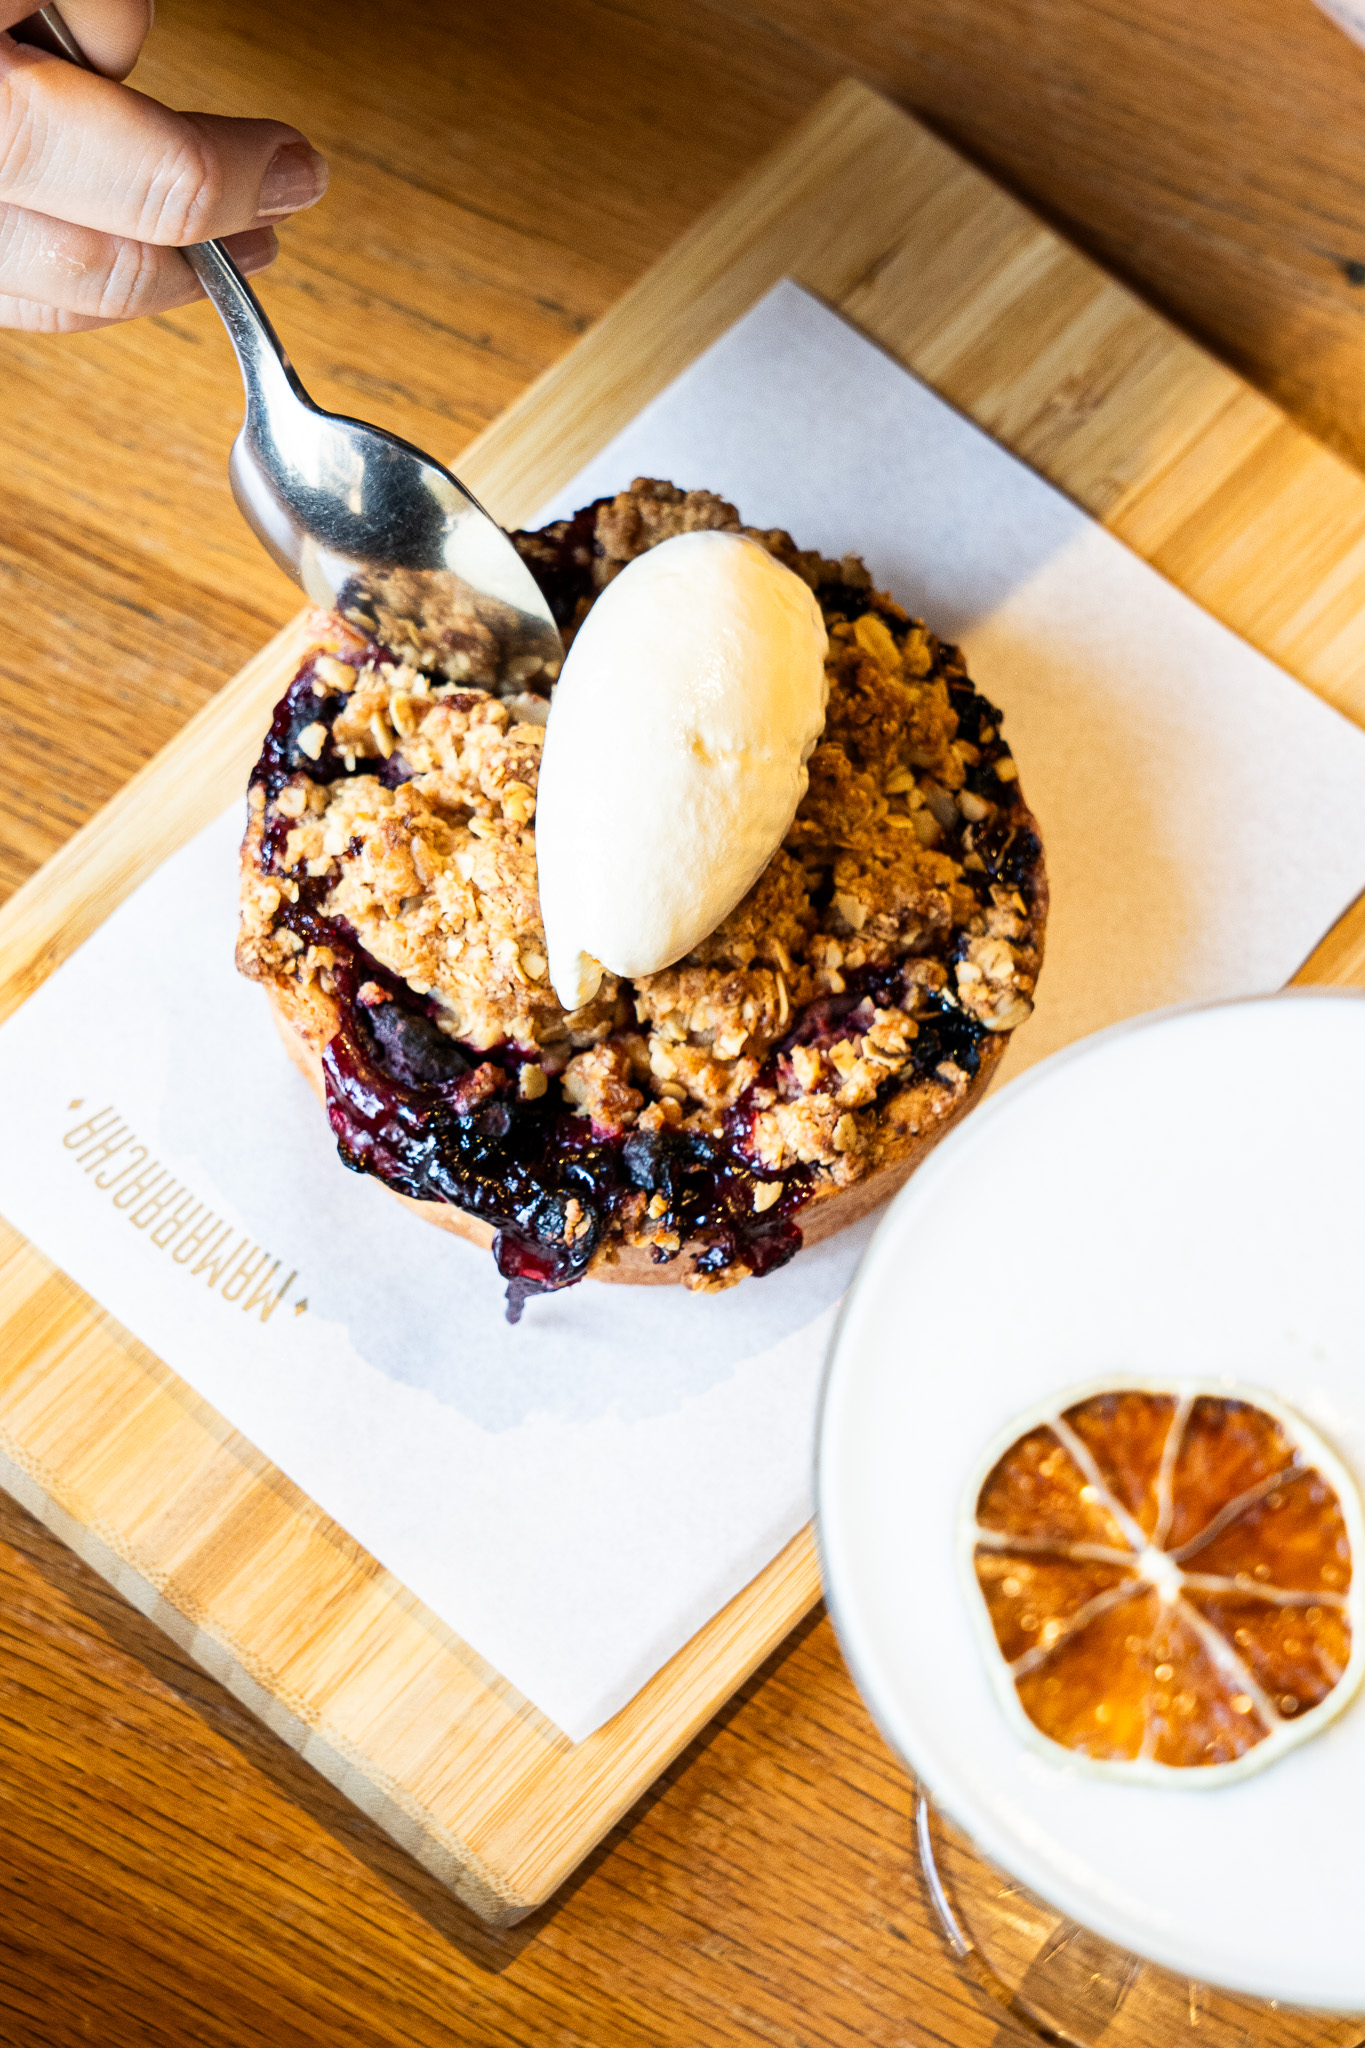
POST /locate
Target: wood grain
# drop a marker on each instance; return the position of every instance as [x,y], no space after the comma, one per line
[170,1873]
[501,175]
[149,1487]
[140,1477]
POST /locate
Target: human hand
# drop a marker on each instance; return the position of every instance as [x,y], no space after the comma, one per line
[101,186]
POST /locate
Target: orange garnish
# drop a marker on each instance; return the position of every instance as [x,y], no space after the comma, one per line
[1167,1578]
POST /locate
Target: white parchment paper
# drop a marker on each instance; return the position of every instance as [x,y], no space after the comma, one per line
[576,1496]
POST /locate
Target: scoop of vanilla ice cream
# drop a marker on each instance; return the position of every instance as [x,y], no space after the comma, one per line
[675,754]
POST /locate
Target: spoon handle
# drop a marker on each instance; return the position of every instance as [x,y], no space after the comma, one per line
[260,354]
[46,30]
[258,349]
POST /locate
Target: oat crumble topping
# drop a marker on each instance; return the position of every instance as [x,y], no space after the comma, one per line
[842,1009]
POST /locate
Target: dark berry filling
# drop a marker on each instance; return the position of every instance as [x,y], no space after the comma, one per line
[560,557]
[442,1122]
[283,755]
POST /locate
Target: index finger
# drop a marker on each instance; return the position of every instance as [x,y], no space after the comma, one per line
[109,32]
[81,148]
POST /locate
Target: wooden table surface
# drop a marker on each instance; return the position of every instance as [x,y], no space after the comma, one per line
[169,1873]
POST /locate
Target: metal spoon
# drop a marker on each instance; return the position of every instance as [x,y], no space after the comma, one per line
[368,525]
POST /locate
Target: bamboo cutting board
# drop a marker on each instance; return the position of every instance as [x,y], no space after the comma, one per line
[1166,447]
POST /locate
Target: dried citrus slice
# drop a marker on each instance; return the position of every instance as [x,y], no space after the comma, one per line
[1164,1578]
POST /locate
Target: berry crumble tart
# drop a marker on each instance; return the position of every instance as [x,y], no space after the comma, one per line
[697,1123]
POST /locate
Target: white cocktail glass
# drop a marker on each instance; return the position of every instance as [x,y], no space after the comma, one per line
[1181,1198]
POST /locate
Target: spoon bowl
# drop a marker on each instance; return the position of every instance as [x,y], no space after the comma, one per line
[368,525]
[365,523]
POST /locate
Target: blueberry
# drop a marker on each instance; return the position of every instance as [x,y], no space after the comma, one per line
[643,1153]
[946,1032]
[412,1048]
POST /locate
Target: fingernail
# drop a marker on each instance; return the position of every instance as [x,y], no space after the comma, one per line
[253,249]
[295,177]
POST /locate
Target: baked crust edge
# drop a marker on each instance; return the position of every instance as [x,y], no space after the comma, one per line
[304,1028]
